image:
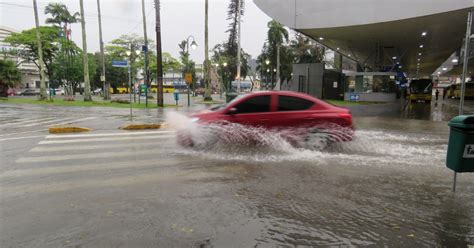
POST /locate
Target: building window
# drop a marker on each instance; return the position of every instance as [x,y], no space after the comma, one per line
[302,84]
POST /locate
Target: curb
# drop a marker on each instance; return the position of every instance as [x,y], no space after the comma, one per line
[68,129]
[142,126]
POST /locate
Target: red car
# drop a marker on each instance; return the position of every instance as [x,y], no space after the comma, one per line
[283,111]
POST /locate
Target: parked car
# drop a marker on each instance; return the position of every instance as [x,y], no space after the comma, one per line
[12,92]
[29,92]
[200,91]
[299,115]
[57,92]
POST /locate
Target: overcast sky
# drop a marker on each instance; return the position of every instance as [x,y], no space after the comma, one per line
[179,19]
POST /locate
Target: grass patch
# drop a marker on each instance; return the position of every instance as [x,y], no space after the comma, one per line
[80,103]
[349,103]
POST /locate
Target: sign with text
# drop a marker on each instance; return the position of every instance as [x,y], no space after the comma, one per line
[119,63]
[354,97]
[188,78]
[468,151]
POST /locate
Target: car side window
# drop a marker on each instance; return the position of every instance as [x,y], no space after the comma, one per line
[290,103]
[255,104]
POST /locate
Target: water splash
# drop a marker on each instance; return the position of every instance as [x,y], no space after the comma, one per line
[234,142]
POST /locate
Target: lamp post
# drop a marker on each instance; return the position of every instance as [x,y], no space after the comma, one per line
[267,62]
[130,80]
[268,72]
[193,46]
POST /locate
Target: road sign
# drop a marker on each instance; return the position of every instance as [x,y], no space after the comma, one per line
[354,97]
[188,78]
[119,63]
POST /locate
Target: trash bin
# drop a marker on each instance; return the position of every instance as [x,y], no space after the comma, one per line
[460,157]
[229,96]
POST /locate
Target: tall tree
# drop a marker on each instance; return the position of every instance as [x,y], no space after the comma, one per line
[62,18]
[50,45]
[188,65]
[87,86]
[207,66]
[232,15]
[159,60]
[10,76]
[43,94]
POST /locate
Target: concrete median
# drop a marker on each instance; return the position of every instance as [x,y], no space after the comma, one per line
[143,126]
[68,129]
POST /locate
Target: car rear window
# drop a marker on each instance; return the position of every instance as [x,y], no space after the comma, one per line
[254,105]
[290,103]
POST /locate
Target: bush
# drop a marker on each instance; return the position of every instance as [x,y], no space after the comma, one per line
[122,101]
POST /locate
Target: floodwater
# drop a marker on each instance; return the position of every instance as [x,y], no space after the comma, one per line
[387,187]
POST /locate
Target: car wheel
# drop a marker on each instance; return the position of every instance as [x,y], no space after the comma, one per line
[316,139]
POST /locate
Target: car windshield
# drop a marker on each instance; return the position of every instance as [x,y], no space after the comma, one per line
[219,107]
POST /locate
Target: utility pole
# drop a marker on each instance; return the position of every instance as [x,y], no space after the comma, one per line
[467,49]
[145,51]
[102,58]
[43,94]
[87,86]
[159,62]
[239,7]
[277,87]
[207,67]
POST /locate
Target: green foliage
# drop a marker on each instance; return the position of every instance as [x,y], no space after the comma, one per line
[10,76]
[221,54]
[60,14]
[50,40]
[232,15]
[188,65]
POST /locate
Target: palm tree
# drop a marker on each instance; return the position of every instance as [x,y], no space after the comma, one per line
[207,66]
[277,34]
[10,76]
[62,18]
[87,86]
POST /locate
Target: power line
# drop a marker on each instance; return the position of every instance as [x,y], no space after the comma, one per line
[88,15]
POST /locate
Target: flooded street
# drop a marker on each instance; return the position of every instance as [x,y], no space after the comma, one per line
[389,187]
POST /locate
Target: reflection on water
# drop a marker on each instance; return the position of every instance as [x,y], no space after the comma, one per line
[387,188]
[441,110]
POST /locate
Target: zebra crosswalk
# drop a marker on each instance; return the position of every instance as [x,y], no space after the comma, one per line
[29,121]
[65,159]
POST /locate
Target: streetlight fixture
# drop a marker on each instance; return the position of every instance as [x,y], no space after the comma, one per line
[193,46]
[267,62]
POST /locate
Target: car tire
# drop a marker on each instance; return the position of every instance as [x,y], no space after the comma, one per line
[316,139]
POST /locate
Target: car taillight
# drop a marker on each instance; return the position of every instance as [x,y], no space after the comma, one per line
[346,116]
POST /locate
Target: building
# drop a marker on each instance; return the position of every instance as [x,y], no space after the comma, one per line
[387,40]
[29,71]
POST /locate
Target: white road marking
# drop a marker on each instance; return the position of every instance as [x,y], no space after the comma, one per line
[34,131]
[74,121]
[90,147]
[25,137]
[27,121]
[47,122]
[114,154]
[44,142]
[127,133]
[83,167]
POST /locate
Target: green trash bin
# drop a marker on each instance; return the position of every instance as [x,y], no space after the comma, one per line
[460,157]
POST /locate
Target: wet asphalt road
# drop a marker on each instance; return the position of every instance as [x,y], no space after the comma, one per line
[111,188]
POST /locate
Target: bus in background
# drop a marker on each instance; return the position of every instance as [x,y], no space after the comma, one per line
[421,90]
[455,91]
[119,90]
[167,88]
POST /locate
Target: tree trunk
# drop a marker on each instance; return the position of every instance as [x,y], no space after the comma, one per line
[159,62]
[43,95]
[87,86]
[102,57]
[207,67]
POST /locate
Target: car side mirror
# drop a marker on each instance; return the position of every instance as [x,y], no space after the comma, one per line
[232,111]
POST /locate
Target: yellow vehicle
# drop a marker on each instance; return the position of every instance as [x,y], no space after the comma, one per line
[456,90]
[120,90]
[421,90]
[167,88]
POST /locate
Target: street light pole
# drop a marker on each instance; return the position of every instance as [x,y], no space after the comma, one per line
[159,62]
[145,51]
[239,7]
[102,58]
